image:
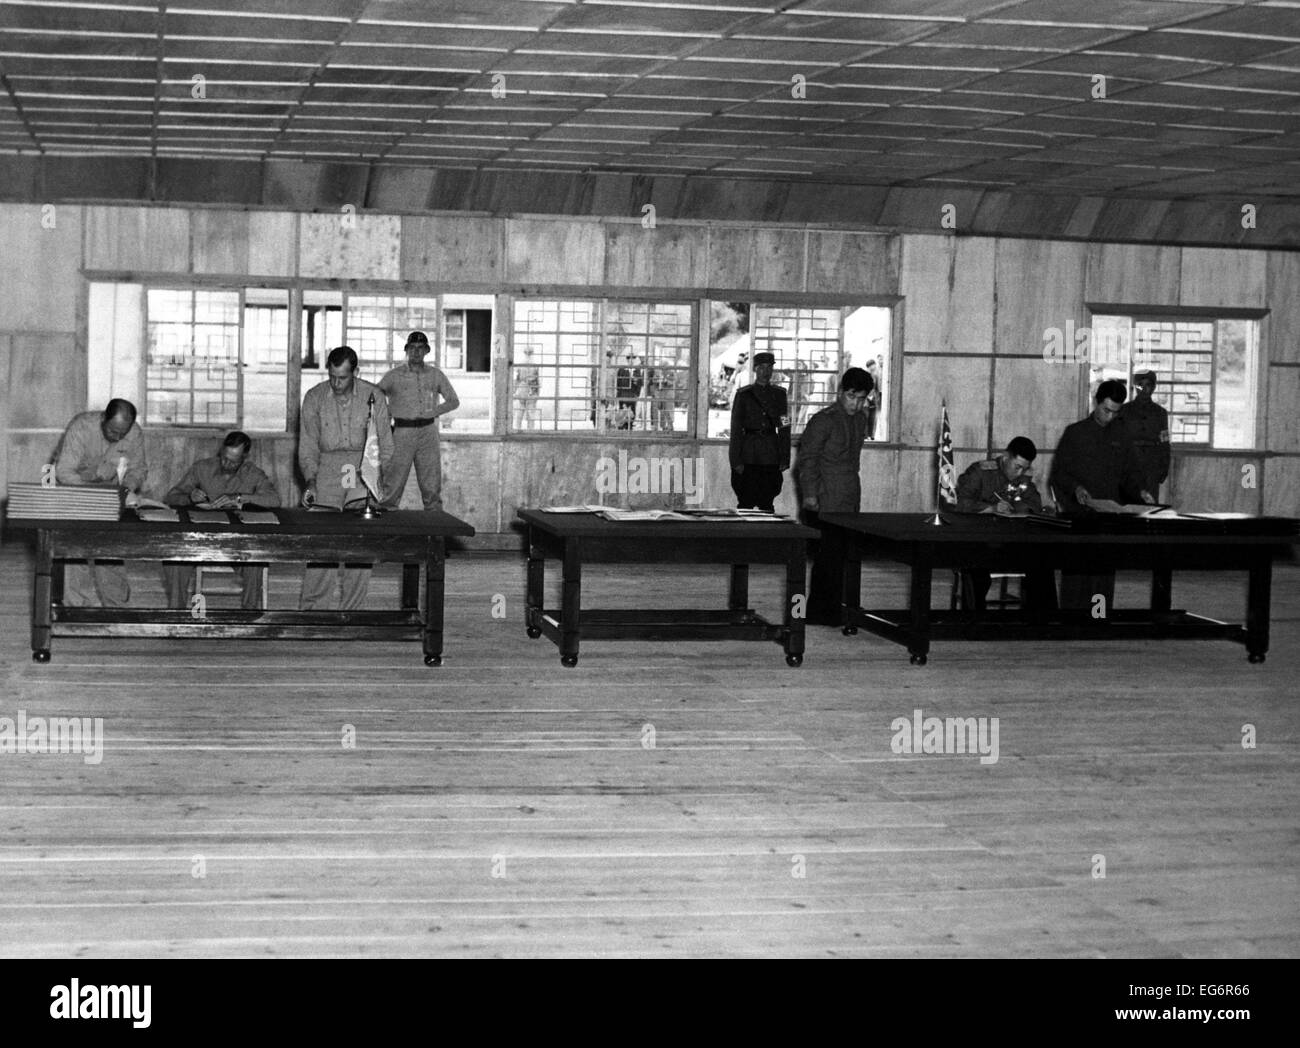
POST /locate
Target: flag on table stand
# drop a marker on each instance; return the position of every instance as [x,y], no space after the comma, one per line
[370,462]
[947,481]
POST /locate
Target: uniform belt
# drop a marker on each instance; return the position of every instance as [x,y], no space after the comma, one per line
[405,422]
[769,431]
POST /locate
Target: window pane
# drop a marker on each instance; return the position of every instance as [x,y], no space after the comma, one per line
[808,346]
[192,370]
[266,355]
[1235,361]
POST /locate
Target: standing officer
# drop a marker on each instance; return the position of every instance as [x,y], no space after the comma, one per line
[760,439]
[1148,430]
[830,455]
[413,390]
[332,431]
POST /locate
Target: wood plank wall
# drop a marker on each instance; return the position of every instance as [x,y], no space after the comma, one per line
[973,316]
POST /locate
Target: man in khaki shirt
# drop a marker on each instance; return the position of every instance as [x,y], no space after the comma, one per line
[331,441]
[101,448]
[413,390]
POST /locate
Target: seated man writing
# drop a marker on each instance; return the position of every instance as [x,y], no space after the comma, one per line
[1004,485]
[225,481]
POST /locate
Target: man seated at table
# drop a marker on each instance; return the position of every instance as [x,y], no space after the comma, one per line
[1004,485]
[1096,460]
[830,451]
[227,480]
[102,448]
[337,415]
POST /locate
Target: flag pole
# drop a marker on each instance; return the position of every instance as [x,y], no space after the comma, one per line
[937,519]
[371,510]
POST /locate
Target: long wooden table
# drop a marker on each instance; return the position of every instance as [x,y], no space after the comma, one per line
[414,539]
[578,539]
[1094,544]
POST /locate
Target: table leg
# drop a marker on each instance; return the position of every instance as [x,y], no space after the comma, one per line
[851,597]
[918,645]
[435,576]
[796,575]
[536,586]
[410,587]
[42,594]
[571,602]
[1258,595]
[738,592]
[1162,589]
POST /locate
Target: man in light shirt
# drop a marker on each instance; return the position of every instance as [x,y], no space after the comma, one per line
[102,448]
[414,391]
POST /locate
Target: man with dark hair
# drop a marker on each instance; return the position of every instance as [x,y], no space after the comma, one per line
[830,452]
[1148,427]
[225,481]
[331,442]
[101,448]
[1095,460]
[414,392]
[1004,485]
[760,439]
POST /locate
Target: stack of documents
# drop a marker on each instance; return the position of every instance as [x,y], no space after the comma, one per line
[69,502]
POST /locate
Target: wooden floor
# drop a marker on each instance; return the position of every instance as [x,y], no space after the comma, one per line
[503,805]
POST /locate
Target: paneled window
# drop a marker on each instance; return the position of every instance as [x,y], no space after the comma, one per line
[192,374]
[813,347]
[1207,371]
[601,365]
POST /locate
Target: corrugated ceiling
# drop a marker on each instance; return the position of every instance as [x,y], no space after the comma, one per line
[1201,99]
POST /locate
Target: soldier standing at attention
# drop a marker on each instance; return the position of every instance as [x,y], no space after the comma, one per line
[413,390]
[760,439]
[1148,429]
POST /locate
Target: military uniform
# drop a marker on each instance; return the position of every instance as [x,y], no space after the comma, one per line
[984,485]
[332,436]
[759,441]
[412,398]
[830,454]
[207,476]
[1147,424]
[86,456]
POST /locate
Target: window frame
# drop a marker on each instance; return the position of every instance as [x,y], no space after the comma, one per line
[1176,314]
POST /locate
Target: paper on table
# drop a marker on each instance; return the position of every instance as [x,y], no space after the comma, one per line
[572,509]
[208,516]
[258,516]
[157,513]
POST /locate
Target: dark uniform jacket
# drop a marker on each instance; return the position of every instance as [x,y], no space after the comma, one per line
[982,482]
[760,427]
[1148,426]
[829,454]
[1101,459]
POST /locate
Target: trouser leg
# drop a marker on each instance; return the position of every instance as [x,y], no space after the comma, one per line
[318,582]
[399,466]
[178,584]
[354,585]
[111,583]
[428,467]
[250,578]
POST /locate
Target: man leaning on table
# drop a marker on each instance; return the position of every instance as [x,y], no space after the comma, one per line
[332,431]
[101,448]
[227,480]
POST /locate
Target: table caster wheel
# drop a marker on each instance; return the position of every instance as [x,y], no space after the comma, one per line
[534,632]
[794,660]
[43,655]
[1253,658]
[918,660]
[569,660]
[849,631]
[433,660]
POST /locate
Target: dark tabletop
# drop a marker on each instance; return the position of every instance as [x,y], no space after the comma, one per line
[1089,529]
[588,525]
[292,521]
